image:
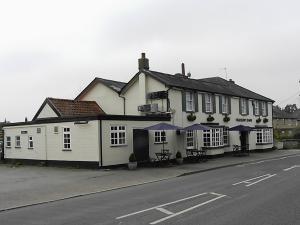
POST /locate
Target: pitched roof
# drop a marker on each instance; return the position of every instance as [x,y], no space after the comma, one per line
[112,84]
[213,85]
[71,108]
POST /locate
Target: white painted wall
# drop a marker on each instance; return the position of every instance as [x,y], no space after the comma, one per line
[49,145]
[106,98]
[47,112]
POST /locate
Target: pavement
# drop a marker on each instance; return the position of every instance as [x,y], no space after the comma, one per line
[29,185]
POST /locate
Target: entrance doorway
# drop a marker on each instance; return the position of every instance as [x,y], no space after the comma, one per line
[141,145]
[244,140]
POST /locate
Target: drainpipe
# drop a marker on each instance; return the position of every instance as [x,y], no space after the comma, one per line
[100,144]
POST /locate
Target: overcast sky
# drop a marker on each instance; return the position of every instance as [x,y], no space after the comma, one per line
[55,48]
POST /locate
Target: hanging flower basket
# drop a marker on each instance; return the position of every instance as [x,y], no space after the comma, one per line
[258,120]
[265,120]
[191,117]
[210,118]
[226,119]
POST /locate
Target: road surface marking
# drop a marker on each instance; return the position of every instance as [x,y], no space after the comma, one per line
[255,180]
[187,210]
[292,167]
[171,214]
[160,206]
[164,211]
[267,160]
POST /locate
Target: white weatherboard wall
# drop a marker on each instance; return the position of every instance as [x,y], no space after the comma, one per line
[106,98]
[49,145]
[47,112]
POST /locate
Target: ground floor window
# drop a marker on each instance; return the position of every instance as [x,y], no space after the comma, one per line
[190,139]
[67,138]
[8,141]
[215,137]
[117,135]
[159,137]
[30,142]
[264,136]
[18,142]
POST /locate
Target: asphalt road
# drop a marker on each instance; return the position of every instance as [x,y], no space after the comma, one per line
[262,193]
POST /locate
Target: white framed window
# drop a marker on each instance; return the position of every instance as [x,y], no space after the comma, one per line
[190,101]
[224,104]
[8,142]
[264,108]
[244,106]
[117,135]
[208,103]
[30,142]
[225,136]
[66,138]
[264,136]
[190,139]
[216,137]
[159,137]
[256,108]
[17,142]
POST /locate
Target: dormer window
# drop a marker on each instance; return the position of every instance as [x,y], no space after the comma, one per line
[190,102]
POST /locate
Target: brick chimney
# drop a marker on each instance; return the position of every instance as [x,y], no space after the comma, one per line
[143,62]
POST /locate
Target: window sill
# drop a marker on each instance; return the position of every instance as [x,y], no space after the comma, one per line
[211,148]
[115,146]
[8,147]
[66,150]
[30,148]
[160,143]
[264,143]
[18,147]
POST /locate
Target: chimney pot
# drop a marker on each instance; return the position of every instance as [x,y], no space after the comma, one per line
[143,62]
[182,69]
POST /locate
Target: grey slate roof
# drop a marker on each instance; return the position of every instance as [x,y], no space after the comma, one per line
[211,85]
[115,85]
[112,84]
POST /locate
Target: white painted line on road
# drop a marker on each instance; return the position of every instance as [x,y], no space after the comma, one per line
[160,206]
[164,211]
[292,167]
[267,160]
[256,180]
[187,210]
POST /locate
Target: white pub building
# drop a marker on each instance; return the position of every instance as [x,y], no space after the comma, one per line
[104,124]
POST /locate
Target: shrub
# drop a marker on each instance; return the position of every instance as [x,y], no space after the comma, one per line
[226,119]
[132,158]
[210,118]
[178,155]
[258,120]
[265,120]
[191,117]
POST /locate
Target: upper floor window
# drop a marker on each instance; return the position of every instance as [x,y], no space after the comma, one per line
[264,108]
[190,101]
[18,142]
[244,106]
[8,141]
[256,108]
[224,104]
[208,103]
[118,135]
[159,137]
[66,138]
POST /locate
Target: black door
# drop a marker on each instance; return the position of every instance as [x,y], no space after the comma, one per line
[244,140]
[141,145]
